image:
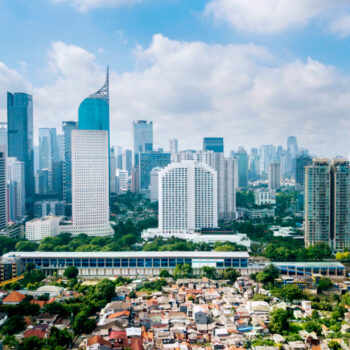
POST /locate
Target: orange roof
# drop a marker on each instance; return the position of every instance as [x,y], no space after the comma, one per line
[119,314]
[34,333]
[316,347]
[147,335]
[41,303]
[14,297]
[97,339]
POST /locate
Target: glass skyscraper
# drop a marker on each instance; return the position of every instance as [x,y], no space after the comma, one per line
[94,110]
[143,138]
[20,137]
[215,144]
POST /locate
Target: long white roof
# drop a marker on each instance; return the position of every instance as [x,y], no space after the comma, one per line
[128,254]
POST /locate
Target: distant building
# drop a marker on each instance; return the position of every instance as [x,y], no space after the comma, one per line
[267,155]
[127,161]
[44,180]
[3,191]
[16,190]
[38,229]
[57,179]
[264,196]
[112,170]
[20,137]
[187,197]
[302,161]
[48,148]
[90,194]
[215,144]
[242,163]
[3,136]
[67,127]
[148,161]
[143,138]
[327,203]
[123,177]
[154,184]
[46,208]
[274,175]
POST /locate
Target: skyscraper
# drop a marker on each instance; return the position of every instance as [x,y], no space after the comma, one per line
[94,110]
[148,161]
[215,144]
[292,149]
[16,189]
[253,165]
[242,163]
[327,203]
[143,138]
[267,155]
[274,175]
[90,183]
[112,170]
[302,161]
[20,137]
[187,197]
[127,160]
[67,127]
[3,135]
[3,191]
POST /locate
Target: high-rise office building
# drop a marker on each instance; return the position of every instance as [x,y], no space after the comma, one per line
[215,144]
[292,149]
[3,135]
[67,127]
[154,184]
[143,138]
[267,155]
[48,151]
[123,178]
[148,161]
[187,197]
[60,145]
[112,170]
[43,177]
[20,137]
[94,110]
[173,148]
[242,163]
[3,191]
[274,175]
[16,190]
[301,162]
[90,183]
[327,203]
[253,165]
[127,160]
[57,179]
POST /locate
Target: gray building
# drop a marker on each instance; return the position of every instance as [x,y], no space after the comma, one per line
[242,164]
[143,138]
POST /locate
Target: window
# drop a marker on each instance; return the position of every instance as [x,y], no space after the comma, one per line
[92,262]
[77,262]
[140,262]
[101,262]
[116,262]
[125,262]
[156,262]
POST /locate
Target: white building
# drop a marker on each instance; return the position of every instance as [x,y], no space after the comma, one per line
[187,197]
[264,196]
[16,189]
[154,184]
[90,184]
[38,229]
[274,175]
[123,180]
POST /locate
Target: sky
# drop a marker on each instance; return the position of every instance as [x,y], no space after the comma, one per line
[253,72]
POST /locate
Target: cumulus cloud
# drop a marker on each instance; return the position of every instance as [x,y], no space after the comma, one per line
[271,16]
[193,89]
[86,5]
[340,25]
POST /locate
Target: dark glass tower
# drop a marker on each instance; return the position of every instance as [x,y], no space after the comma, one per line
[215,144]
[20,137]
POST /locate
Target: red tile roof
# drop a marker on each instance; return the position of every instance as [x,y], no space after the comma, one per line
[34,333]
[14,297]
[97,339]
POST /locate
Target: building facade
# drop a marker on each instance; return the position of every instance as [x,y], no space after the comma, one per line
[301,162]
[215,144]
[90,183]
[3,191]
[38,229]
[143,138]
[187,197]
[20,137]
[274,176]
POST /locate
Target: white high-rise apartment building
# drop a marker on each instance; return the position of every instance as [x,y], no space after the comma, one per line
[90,183]
[38,229]
[274,175]
[16,189]
[187,197]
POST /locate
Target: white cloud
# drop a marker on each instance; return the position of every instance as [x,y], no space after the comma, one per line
[192,89]
[86,5]
[271,16]
[340,25]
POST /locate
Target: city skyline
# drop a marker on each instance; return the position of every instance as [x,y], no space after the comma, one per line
[61,67]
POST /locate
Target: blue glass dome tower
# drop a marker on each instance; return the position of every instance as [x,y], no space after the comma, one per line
[93,112]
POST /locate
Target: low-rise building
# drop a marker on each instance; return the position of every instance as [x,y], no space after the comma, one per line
[37,229]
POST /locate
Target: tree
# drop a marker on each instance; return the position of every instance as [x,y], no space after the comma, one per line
[313,326]
[13,325]
[209,272]
[30,267]
[56,308]
[279,321]
[32,343]
[334,345]
[11,342]
[165,274]
[71,272]
[105,289]
[319,251]
[230,274]
[289,292]
[26,246]
[324,284]
[268,274]
[60,337]
[183,271]
[132,295]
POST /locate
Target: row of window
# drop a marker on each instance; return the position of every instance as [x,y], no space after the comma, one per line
[127,262]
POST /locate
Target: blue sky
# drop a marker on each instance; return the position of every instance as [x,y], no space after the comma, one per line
[251,72]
